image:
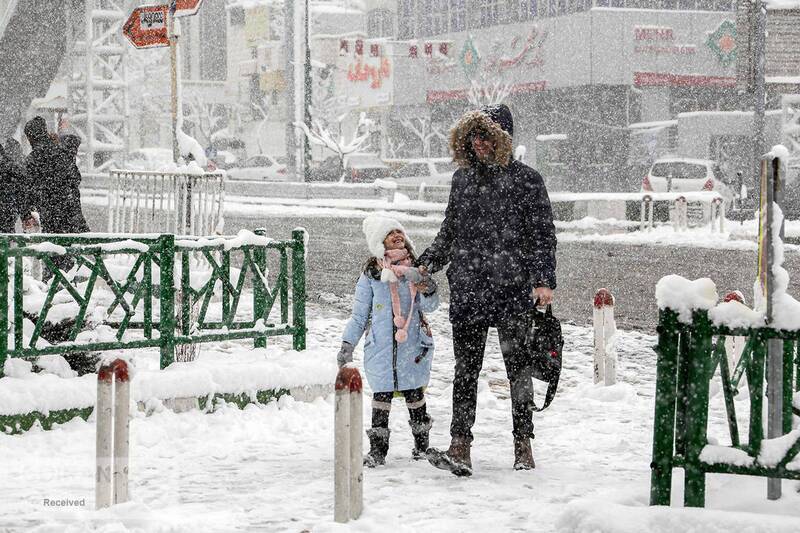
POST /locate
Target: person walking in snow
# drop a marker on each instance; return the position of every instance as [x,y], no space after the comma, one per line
[390,299]
[54,180]
[499,239]
[12,177]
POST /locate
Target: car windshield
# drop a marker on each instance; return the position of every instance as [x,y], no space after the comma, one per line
[282,160]
[259,161]
[692,171]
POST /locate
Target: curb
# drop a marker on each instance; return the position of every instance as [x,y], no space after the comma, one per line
[20,423]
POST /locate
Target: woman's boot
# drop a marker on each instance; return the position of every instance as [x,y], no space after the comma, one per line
[420,431]
[523,455]
[378,447]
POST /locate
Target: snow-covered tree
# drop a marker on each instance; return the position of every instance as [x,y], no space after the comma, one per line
[203,118]
[485,91]
[424,129]
[319,135]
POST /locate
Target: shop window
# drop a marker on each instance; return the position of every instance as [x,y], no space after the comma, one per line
[406,18]
[437,10]
[458,15]
[489,11]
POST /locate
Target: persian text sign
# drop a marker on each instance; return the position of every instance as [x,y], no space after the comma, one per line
[147,27]
[368,81]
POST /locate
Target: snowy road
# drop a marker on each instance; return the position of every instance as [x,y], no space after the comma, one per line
[630,271]
[270,468]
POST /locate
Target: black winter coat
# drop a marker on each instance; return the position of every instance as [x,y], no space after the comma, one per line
[54,183]
[12,193]
[499,239]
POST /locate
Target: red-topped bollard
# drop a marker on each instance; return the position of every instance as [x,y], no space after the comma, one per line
[113,434]
[605,334]
[734,346]
[347,446]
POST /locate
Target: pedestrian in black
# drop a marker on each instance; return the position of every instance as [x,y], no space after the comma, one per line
[12,181]
[54,185]
[499,240]
[54,180]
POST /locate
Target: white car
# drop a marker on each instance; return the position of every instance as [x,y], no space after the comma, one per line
[148,159]
[260,167]
[685,175]
[431,171]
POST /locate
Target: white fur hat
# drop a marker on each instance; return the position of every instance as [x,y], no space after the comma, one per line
[376,228]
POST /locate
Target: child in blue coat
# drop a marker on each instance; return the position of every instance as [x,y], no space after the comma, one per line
[390,299]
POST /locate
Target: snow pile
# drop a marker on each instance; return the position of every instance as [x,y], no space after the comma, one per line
[56,365]
[782,4]
[188,145]
[713,455]
[215,371]
[600,516]
[684,296]
[735,314]
[774,450]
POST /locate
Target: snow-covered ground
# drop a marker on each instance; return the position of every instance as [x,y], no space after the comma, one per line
[270,468]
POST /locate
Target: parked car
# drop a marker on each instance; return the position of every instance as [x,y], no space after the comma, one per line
[260,167]
[358,168]
[148,159]
[432,171]
[365,167]
[685,175]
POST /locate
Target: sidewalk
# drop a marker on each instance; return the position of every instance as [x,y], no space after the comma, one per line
[270,468]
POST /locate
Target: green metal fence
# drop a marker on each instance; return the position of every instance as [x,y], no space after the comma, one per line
[688,357]
[142,311]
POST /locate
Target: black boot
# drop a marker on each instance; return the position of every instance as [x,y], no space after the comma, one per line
[421,431]
[378,447]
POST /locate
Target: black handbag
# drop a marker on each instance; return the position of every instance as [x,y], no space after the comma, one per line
[544,345]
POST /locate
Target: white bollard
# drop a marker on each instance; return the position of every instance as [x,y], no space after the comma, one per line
[646,213]
[734,346]
[113,434]
[681,214]
[348,476]
[605,330]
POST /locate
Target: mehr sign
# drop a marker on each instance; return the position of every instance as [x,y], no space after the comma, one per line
[365,72]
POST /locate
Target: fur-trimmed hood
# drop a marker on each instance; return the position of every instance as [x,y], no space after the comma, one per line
[497,121]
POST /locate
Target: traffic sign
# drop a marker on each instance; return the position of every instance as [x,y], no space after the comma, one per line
[186,8]
[147,27]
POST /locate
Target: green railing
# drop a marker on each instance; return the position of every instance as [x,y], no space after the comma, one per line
[688,357]
[156,270]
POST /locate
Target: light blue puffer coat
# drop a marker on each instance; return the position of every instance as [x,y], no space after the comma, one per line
[389,365]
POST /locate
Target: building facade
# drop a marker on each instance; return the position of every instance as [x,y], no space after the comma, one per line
[577,73]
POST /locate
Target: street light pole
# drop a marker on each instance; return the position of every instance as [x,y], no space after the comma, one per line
[307,97]
[174,34]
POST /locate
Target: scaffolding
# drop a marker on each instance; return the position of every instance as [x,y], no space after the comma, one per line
[98,83]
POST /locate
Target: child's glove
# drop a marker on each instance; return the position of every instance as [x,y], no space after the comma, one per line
[413,275]
[345,354]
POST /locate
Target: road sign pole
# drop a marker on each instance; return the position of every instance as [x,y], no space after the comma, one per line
[174,34]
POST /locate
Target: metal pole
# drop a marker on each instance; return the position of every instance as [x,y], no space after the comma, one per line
[291,161]
[759,19]
[774,346]
[307,97]
[174,33]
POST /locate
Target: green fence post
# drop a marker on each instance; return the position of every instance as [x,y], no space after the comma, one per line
[166,323]
[259,288]
[185,295]
[664,419]
[788,349]
[697,414]
[3,302]
[682,393]
[18,318]
[755,385]
[299,289]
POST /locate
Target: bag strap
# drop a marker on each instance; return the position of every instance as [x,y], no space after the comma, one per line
[551,393]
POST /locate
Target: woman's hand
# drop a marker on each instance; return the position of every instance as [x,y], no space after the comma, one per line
[544,295]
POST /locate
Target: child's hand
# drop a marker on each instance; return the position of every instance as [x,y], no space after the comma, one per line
[345,354]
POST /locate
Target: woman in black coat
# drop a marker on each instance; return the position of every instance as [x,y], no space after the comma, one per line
[499,240]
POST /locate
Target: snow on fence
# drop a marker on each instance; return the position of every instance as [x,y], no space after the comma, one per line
[113,434]
[348,478]
[129,284]
[605,335]
[180,203]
